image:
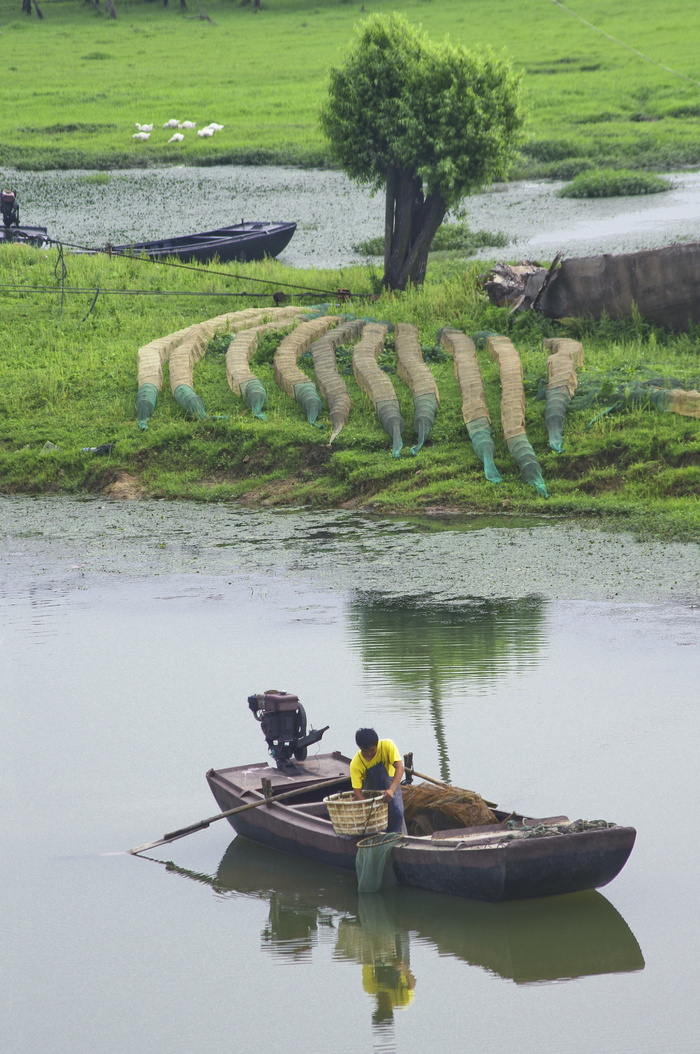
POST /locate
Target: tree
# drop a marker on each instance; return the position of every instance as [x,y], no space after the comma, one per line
[429,122]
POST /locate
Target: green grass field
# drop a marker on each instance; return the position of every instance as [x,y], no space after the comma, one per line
[68,377]
[74,84]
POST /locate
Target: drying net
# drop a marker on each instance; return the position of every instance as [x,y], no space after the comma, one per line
[513,411]
[146,399]
[413,370]
[373,855]
[484,447]
[190,402]
[475,413]
[565,356]
[428,809]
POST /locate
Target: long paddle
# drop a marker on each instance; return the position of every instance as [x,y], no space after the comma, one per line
[182,832]
[447,786]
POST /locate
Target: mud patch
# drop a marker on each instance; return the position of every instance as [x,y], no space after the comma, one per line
[125,487]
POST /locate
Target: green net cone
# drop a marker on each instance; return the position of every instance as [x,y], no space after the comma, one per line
[484,448]
[557,401]
[526,459]
[146,398]
[308,398]
[255,397]
[425,410]
[190,402]
[391,420]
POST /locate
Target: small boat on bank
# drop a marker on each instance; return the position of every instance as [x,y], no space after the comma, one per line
[35,236]
[239,241]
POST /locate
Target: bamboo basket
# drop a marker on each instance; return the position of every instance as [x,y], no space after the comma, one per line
[351,816]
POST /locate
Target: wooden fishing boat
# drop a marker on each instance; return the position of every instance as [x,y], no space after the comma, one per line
[239,241]
[36,236]
[491,863]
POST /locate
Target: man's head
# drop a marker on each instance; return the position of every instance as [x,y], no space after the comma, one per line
[367,740]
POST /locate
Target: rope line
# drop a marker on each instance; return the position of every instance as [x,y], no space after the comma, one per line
[135,292]
[616,40]
[200,270]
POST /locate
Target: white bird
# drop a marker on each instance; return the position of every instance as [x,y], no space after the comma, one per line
[172,123]
[188,124]
[144,127]
[143,136]
[215,127]
[176,138]
[205,133]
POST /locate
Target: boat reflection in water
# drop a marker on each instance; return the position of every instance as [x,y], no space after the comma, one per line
[529,941]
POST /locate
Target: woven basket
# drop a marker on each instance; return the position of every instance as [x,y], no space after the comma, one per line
[351,816]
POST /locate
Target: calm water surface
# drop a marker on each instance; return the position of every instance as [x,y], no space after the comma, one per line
[549,666]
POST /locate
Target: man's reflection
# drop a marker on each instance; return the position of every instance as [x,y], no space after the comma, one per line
[375,940]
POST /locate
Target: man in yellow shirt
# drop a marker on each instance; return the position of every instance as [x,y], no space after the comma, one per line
[378,766]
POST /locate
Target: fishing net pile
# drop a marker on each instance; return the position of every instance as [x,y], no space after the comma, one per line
[428,809]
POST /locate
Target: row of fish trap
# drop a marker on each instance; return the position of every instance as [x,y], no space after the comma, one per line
[322,335]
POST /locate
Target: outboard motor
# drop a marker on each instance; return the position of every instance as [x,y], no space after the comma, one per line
[10,208]
[283,721]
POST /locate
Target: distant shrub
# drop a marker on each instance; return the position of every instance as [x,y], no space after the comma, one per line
[450,237]
[614,183]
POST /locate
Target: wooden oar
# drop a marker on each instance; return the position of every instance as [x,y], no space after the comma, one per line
[182,832]
[447,786]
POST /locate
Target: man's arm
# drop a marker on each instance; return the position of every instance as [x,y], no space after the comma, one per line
[393,786]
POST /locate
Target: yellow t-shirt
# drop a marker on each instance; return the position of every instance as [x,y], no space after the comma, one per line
[387,754]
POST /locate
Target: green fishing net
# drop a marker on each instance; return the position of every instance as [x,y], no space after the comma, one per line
[146,398]
[482,441]
[424,412]
[557,400]
[373,856]
[530,470]
[393,423]
[255,396]
[190,402]
[306,394]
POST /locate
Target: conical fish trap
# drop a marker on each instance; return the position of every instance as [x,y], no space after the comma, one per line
[428,809]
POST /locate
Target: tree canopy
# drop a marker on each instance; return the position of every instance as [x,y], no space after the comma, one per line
[430,122]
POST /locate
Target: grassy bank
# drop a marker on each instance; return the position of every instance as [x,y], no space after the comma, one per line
[592,103]
[68,378]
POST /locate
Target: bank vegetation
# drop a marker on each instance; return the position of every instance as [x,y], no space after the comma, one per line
[68,381]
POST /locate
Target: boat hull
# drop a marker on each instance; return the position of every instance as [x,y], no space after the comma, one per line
[514,869]
[36,236]
[241,242]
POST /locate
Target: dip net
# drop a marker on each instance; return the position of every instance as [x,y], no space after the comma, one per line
[371,861]
[428,809]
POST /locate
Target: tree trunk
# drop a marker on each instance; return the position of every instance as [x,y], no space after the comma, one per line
[27,7]
[389,206]
[415,220]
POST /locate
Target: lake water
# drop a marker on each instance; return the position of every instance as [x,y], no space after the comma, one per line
[548,665]
[334,215]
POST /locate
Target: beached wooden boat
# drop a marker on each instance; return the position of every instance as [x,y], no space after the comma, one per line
[492,863]
[239,241]
[36,236]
